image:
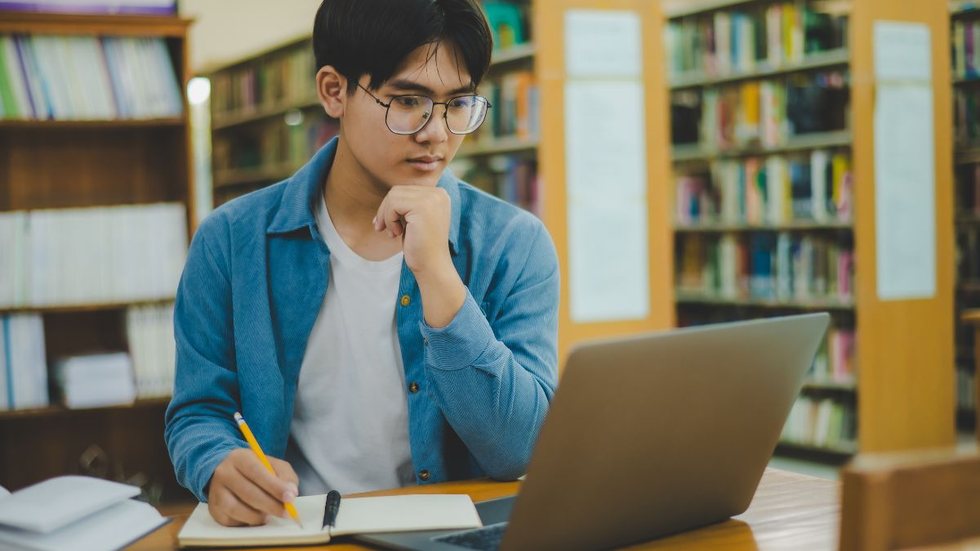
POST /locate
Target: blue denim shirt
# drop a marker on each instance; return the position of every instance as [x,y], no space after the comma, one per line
[253,284]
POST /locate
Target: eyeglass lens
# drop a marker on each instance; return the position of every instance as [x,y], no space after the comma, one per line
[408,114]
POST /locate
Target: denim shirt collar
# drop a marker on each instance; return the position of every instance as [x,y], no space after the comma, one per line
[297,206]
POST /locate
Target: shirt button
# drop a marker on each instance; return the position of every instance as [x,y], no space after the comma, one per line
[413,388]
[406,300]
[424,475]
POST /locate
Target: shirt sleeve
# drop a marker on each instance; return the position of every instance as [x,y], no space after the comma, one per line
[199,429]
[494,380]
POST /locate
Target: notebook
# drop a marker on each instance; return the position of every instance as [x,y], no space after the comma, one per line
[357,515]
[75,512]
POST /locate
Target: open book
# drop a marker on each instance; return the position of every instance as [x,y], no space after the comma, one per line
[357,515]
[75,512]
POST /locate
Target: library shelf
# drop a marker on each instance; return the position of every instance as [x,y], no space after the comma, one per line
[245,176]
[812,62]
[802,142]
[687,297]
[522,52]
[90,124]
[830,385]
[839,451]
[79,308]
[967,155]
[62,411]
[241,117]
[675,9]
[795,225]
[498,146]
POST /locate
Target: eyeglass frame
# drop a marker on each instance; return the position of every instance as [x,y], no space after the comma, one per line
[445,111]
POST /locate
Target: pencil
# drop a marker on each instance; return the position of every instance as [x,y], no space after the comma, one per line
[254,444]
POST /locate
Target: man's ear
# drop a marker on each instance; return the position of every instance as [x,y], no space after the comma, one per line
[331,89]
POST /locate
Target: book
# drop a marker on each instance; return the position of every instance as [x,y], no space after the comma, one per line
[75,512]
[357,515]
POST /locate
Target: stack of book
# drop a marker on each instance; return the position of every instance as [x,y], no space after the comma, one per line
[87,78]
[834,362]
[770,35]
[91,255]
[824,423]
[766,266]
[23,362]
[967,125]
[966,390]
[516,107]
[966,49]
[286,79]
[770,112]
[150,333]
[95,380]
[774,190]
[513,178]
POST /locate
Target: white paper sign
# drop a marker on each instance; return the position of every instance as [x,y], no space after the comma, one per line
[905,202]
[602,43]
[607,212]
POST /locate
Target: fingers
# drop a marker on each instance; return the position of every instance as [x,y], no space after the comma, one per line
[279,489]
[243,492]
[228,510]
[284,471]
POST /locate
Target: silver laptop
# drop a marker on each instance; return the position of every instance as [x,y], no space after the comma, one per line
[648,436]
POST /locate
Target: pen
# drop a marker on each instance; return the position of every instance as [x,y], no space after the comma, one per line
[254,444]
[330,511]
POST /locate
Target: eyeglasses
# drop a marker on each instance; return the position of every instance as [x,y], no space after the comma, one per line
[409,114]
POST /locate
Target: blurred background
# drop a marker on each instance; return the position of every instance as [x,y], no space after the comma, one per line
[695,161]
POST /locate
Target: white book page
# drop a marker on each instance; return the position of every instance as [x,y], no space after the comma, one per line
[112,528]
[360,515]
[201,526]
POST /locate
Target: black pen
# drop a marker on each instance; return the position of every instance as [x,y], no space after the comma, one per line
[331,509]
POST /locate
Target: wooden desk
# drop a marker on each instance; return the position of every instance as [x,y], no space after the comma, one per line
[790,511]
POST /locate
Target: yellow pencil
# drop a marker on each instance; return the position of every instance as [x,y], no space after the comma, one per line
[254,444]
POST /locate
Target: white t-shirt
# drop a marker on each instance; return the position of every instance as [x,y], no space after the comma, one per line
[350,421]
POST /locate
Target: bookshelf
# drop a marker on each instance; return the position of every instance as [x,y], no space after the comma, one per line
[93,173]
[964,21]
[754,233]
[266,121]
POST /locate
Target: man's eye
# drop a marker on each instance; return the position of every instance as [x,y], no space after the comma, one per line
[408,101]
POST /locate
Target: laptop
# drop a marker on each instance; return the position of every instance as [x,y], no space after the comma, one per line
[648,436]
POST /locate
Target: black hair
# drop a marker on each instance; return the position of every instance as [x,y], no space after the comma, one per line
[373,37]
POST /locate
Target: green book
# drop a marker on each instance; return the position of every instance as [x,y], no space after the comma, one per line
[8,104]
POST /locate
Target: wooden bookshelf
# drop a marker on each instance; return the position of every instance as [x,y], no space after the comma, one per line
[966,155]
[812,62]
[689,297]
[791,226]
[902,395]
[498,146]
[83,308]
[53,164]
[807,142]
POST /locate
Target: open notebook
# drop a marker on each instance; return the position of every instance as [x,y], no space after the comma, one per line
[75,512]
[357,515]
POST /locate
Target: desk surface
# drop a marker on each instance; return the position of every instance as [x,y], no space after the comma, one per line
[790,511]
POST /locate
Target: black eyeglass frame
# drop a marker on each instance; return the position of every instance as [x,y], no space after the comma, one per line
[445,112]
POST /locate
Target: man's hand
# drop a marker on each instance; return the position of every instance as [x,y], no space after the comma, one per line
[421,215]
[244,493]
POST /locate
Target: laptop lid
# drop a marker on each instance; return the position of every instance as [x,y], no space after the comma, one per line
[661,433]
[652,435]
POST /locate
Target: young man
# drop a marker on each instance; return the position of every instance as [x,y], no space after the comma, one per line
[378,322]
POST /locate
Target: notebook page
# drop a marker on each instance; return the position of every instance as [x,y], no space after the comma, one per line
[112,528]
[49,505]
[201,526]
[361,515]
